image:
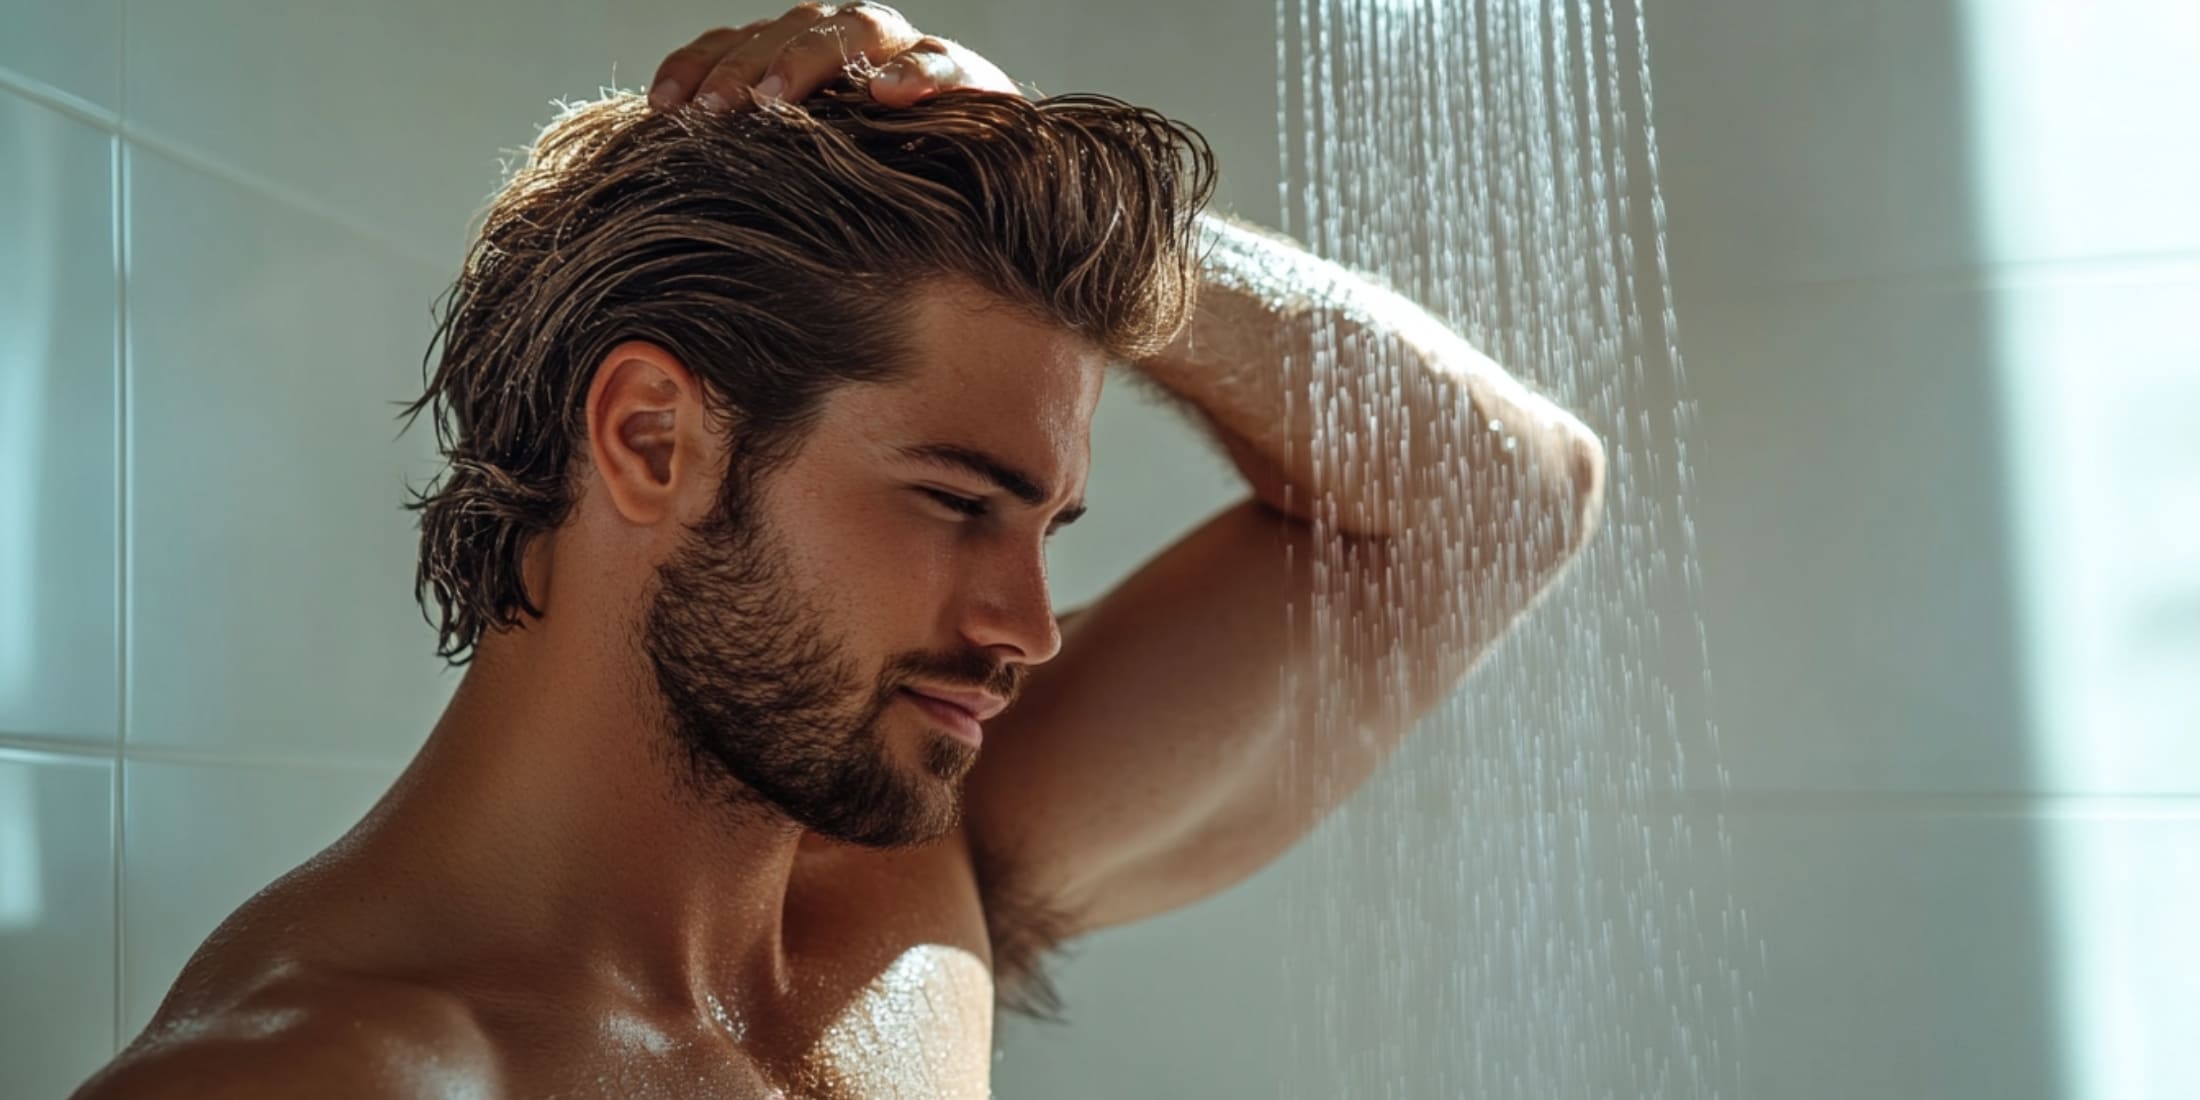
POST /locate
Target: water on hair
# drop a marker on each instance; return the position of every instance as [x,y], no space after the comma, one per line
[1531,899]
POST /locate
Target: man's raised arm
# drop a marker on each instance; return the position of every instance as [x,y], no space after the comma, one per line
[1189,731]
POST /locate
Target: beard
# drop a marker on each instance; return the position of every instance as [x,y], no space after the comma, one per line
[764,712]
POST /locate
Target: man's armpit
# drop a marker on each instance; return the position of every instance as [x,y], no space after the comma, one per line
[1026,932]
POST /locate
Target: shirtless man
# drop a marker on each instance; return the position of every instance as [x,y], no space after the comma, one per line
[761,399]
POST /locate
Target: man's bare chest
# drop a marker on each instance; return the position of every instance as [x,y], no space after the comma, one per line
[897,947]
[892,997]
[919,1027]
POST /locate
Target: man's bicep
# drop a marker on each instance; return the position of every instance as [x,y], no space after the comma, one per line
[1198,721]
[1113,746]
[1158,758]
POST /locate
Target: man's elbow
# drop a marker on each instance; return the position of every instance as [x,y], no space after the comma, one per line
[1562,499]
[1558,504]
[1585,453]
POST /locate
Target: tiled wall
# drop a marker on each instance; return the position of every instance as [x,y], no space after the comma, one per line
[2088,161]
[223,225]
[1935,265]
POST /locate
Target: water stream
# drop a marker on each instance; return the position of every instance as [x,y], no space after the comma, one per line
[1531,900]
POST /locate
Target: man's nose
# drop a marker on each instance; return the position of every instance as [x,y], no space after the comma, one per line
[1016,611]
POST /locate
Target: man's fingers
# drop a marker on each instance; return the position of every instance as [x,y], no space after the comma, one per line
[791,56]
[856,35]
[730,81]
[935,65]
[681,73]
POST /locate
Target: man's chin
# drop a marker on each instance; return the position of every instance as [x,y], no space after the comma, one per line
[921,810]
[937,815]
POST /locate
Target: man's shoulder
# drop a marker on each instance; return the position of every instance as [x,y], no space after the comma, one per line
[332,1035]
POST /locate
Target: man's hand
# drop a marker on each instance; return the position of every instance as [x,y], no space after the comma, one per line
[813,45]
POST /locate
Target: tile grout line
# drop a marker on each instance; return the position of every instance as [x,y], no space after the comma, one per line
[65,103]
[266,761]
[114,123]
[2032,805]
[120,168]
[32,746]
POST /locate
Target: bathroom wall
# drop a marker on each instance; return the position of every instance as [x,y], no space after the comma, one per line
[1932,260]
[223,226]
[2087,158]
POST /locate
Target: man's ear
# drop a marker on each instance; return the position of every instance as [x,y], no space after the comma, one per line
[648,431]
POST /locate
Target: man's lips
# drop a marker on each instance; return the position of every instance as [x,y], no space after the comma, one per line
[960,722]
[979,705]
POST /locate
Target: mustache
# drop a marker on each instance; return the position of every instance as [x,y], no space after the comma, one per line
[974,672]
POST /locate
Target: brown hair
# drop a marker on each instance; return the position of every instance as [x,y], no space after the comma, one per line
[772,251]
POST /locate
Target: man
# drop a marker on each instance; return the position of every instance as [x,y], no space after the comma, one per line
[760,401]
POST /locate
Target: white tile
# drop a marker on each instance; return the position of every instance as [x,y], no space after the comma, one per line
[2103,377]
[199,840]
[1880,952]
[1802,141]
[1891,951]
[1805,142]
[71,45]
[1886,951]
[2086,141]
[1904,956]
[57,922]
[271,566]
[58,673]
[2127,897]
[394,113]
[1852,519]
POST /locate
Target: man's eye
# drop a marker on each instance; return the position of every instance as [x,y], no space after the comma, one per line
[965,505]
[968,506]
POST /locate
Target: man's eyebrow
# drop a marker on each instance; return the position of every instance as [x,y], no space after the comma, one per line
[1009,479]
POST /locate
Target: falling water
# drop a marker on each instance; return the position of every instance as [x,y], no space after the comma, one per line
[1535,903]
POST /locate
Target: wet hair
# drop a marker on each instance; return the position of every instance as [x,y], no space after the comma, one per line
[773,251]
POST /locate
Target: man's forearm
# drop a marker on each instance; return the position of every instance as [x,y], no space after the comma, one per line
[1454,439]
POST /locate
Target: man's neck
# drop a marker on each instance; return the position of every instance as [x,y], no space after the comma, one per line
[541,823]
